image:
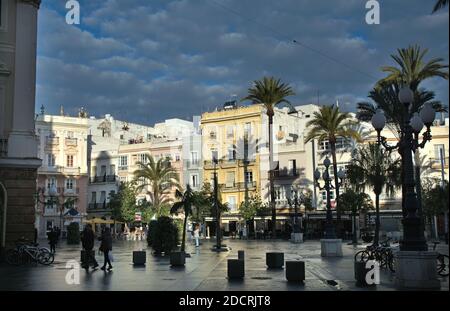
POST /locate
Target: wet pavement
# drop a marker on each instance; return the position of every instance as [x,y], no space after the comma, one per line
[204,270]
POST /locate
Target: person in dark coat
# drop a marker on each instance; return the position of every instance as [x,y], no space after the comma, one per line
[52,240]
[106,247]
[87,241]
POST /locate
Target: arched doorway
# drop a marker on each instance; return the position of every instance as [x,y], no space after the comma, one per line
[3,205]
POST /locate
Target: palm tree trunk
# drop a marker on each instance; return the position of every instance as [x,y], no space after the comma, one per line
[271,181]
[355,237]
[336,183]
[183,242]
[376,238]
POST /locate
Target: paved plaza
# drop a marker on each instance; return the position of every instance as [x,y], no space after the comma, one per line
[205,270]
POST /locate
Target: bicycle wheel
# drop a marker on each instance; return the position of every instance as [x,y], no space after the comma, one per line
[45,257]
[362,256]
[391,261]
[13,257]
[442,265]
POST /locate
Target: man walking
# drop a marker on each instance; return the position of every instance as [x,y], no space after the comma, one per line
[87,240]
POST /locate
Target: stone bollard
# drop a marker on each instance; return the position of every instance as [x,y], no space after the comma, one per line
[236,269]
[295,271]
[241,255]
[275,260]
[139,258]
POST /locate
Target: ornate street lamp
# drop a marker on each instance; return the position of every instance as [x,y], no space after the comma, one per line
[413,235]
[330,232]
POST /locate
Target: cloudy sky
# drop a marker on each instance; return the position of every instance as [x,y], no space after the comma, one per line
[149,60]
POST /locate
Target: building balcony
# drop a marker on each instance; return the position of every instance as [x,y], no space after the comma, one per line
[3,148]
[435,163]
[123,168]
[286,173]
[73,191]
[192,164]
[103,179]
[98,206]
[238,186]
[228,163]
[52,141]
[71,142]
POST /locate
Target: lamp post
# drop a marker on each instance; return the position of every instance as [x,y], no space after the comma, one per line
[216,203]
[330,232]
[294,200]
[413,235]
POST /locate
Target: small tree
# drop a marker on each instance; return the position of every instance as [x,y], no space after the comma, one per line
[355,202]
[253,207]
[164,235]
[434,198]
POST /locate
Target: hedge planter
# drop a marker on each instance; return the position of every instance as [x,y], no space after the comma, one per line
[275,260]
[236,269]
[177,259]
[139,258]
[295,271]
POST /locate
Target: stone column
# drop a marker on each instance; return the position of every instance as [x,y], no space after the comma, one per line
[22,141]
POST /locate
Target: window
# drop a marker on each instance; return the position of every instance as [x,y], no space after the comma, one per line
[232,203]
[341,143]
[177,158]
[194,180]
[248,129]
[69,184]
[230,131]
[293,167]
[94,197]
[103,170]
[51,182]
[249,177]
[194,158]
[112,170]
[231,153]
[123,163]
[70,134]
[103,197]
[142,158]
[438,149]
[214,155]
[230,180]
[70,161]
[51,160]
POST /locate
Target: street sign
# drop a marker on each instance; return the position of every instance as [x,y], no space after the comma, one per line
[138,216]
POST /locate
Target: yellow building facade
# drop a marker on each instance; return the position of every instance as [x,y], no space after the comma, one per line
[233,135]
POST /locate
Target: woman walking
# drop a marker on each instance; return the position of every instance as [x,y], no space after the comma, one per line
[106,247]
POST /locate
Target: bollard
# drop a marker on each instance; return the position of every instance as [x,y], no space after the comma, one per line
[236,269]
[241,255]
[275,260]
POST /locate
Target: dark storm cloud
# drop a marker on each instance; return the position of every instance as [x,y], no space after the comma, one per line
[151,60]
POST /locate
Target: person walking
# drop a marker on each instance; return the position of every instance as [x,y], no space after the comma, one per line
[52,240]
[197,236]
[106,247]
[87,242]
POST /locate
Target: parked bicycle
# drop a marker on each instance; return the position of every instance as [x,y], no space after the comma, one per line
[382,253]
[27,252]
[442,262]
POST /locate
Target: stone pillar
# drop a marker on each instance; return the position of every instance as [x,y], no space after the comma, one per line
[20,214]
[416,270]
[22,141]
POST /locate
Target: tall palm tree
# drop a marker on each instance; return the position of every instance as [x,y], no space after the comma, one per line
[374,167]
[160,177]
[412,68]
[188,199]
[329,124]
[270,92]
[440,4]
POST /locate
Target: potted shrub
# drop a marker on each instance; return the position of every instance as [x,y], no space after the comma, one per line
[73,233]
[164,236]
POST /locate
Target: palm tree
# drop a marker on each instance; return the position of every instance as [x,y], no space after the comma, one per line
[440,4]
[374,167]
[329,124]
[188,199]
[413,69]
[160,177]
[270,92]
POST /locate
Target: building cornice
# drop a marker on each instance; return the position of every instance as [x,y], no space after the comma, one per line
[4,71]
[35,3]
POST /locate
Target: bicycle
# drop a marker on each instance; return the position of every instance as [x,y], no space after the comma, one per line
[381,253]
[442,262]
[26,252]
